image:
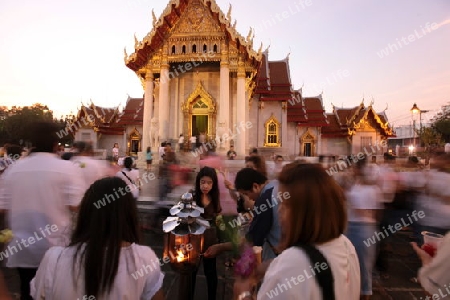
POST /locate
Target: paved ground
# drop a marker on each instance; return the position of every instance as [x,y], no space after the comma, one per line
[403,263]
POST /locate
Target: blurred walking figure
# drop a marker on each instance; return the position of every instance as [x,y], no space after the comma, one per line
[277,166]
[39,192]
[434,196]
[193,142]
[91,168]
[149,159]
[181,142]
[130,175]
[364,200]
[115,152]
[231,154]
[104,259]
[257,163]
[169,159]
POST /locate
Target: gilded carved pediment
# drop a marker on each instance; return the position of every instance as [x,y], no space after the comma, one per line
[196,19]
[201,99]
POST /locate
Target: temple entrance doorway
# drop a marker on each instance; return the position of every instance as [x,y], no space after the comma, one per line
[199,124]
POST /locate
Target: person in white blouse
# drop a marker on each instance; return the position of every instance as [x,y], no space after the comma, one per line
[104,259]
[130,176]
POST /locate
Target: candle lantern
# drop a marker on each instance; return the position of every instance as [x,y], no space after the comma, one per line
[183,242]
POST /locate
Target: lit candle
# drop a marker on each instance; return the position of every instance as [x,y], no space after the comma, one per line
[180,256]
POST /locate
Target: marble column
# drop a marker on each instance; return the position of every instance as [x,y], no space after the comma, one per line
[224,104]
[148,111]
[241,108]
[164,103]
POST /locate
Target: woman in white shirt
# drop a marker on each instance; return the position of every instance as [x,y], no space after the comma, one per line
[103,259]
[311,208]
[130,176]
[364,204]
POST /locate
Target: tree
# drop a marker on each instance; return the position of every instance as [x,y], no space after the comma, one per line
[441,122]
[15,123]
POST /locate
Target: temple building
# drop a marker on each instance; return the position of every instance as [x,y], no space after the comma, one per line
[199,75]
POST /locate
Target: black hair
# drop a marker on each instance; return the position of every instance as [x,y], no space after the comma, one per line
[214,193]
[100,232]
[81,146]
[14,151]
[246,177]
[148,149]
[44,136]
[128,162]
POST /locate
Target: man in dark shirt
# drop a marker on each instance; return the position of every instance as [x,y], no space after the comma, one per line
[265,228]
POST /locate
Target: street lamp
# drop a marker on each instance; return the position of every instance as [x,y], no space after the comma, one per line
[416,110]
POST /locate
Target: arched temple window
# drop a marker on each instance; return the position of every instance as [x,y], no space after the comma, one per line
[272,133]
[183,49]
[205,48]
[194,48]
[215,48]
[307,144]
[173,49]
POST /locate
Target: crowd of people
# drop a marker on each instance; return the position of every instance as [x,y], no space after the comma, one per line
[322,235]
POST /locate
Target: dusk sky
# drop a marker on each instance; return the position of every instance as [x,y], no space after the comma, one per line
[62,53]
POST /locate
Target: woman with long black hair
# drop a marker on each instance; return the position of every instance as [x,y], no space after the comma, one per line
[103,259]
[207,195]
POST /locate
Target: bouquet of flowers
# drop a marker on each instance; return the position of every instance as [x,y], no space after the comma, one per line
[228,233]
[247,263]
[6,235]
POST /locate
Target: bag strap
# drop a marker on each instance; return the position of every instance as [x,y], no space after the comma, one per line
[132,182]
[324,277]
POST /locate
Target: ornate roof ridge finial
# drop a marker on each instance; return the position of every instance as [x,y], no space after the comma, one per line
[372,102]
[125,57]
[234,24]
[267,49]
[229,13]
[154,17]
[249,35]
[260,48]
[136,42]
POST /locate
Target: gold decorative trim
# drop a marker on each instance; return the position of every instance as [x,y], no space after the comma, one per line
[211,111]
[272,121]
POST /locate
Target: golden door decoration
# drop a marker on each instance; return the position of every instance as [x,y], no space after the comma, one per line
[200,102]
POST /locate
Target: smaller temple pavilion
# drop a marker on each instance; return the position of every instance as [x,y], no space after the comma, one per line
[355,130]
[106,126]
